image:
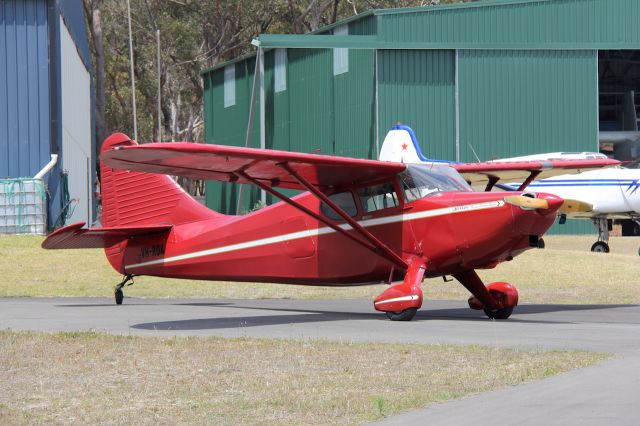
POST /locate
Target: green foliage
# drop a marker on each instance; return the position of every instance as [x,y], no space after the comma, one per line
[194,35]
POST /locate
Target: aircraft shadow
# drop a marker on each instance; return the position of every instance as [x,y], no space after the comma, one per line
[127,303]
[303,316]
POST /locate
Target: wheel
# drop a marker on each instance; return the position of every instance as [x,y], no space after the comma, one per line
[119,296]
[639,252]
[500,314]
[406,315]
[541,243]
[600,247]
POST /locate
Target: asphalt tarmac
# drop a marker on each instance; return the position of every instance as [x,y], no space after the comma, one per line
[605,394]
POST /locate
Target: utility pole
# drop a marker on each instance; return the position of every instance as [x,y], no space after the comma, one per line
[159,89]
[133,78]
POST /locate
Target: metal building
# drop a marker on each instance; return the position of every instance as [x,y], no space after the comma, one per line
[46,103]
[498,77]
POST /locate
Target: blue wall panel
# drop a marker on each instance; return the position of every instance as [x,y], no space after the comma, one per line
[24,87]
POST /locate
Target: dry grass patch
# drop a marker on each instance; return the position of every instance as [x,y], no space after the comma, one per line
[89,378]
[565,272]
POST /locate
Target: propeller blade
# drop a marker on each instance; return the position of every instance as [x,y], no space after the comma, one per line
[575,206]
[527,202]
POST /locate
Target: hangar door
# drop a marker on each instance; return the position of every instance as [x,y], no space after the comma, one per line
[76,127]
[525,102]
[417,88]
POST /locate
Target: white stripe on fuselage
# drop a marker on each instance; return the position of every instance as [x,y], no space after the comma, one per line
[321,231]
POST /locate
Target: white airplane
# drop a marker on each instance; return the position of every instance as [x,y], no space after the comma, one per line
[612,193]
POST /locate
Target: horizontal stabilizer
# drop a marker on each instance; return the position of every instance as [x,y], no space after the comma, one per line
[75,236]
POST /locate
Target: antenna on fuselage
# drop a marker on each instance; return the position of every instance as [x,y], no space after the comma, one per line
[474,152]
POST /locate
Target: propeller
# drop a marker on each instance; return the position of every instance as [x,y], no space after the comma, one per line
[527,202]
[568,206]
[575,206]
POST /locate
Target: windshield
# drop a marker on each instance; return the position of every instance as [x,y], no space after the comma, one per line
[423,180]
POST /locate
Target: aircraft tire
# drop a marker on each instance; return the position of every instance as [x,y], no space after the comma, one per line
[406,315]
[600,247]
[499,314]
[119,296]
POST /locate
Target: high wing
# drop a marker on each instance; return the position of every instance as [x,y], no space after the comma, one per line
[246,165]
[266,169]
[490,173]
[75,236]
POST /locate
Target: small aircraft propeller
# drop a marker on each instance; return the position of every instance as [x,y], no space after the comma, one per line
[527,202]
[575,206]
[568,206]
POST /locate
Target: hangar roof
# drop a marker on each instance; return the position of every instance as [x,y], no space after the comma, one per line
[487,24]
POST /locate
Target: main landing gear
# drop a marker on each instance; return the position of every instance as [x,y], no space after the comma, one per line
[601,246]
[127,280]
[497,300]
[402,301]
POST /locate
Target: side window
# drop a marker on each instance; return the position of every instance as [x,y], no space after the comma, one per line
[345,201]
[378,197]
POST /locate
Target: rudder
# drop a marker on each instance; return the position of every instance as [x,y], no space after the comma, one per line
[137,198]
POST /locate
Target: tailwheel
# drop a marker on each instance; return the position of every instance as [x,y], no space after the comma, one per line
[119,294]
[600,247]
[499,314]
[406,315]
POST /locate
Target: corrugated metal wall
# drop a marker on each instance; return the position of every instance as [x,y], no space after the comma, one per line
[527,81]
[77,146]
[518,102]
[611,24]
[317,112]
[417,88]
[521,102]
[227,126]
[24,88]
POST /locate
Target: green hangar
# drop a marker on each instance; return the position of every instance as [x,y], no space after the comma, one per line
[493,78]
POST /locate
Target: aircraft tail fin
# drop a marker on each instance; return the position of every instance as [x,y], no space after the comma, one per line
[132,198]
[401,146]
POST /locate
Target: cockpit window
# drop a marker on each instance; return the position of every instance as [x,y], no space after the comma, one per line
[424,180]
[378,197]
[345,201]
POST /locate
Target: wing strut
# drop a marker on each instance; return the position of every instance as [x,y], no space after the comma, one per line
[305,210]
[530,179]
[378,246]
[492,181]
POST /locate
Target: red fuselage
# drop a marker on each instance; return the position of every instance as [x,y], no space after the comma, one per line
[454,231]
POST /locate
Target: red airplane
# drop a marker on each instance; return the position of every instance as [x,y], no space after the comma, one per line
[360,221]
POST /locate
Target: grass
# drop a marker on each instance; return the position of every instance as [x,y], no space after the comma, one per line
[90,378]
[565,272]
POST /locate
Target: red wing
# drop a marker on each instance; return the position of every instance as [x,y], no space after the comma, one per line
[218,162]
[74,236]
[520,171]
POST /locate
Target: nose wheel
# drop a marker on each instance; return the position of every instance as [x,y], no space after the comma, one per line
[600,247]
